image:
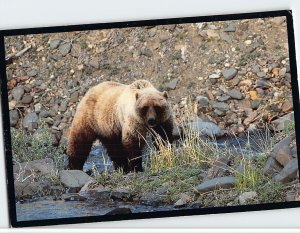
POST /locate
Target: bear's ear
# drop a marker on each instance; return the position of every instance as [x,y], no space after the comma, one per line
[165,94]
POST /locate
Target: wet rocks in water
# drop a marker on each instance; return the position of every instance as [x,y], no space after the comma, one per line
[288,173]
[18,93]
[209,129]
[13,117]
[74,178]
[247,196]
[216,183]
[235,94]
[30,121]
[172,84]
[229,73]
[119,210]
[73,197]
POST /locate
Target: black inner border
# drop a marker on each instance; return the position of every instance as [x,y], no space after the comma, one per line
[158,214]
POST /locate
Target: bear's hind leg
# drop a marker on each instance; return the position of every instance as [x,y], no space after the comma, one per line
[116,154]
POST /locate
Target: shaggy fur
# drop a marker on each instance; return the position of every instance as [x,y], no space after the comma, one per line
[119,116]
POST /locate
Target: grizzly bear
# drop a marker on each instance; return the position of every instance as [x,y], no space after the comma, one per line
[119,116]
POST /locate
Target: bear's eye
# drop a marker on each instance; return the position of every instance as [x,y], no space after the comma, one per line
[157,109]
[145,109]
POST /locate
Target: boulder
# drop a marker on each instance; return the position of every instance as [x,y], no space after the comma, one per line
[74,178]
[216,183]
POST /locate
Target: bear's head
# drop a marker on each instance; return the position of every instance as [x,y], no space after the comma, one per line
[152,107]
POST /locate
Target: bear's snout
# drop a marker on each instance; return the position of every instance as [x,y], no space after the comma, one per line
[151,122]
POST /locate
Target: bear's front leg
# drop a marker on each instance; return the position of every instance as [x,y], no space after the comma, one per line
[164,131]
[133,143]
[79,146]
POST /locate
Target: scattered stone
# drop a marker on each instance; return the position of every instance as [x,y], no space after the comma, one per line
[212,34]
[248,42]
[38,107]
[218,169]
[278,20]
[282,72]
[288,173]
[180,203]
[214,76]
[162,190]
[283,122]
[13,117]
[74,97]
[209,129]
[164,36]
[103,195]
[226,37]
[263,83]
[54,43]
[153,199]
[235,94]
[146,52]
[44,114]
[32,73]
[27,99]
[18,93]
[246,196]
[63,106]
[219,105]
[73,178]
[94,63]
[230,28]
[30,121]
[172,84]
[287,106]
[261,74]
[282,151]
[90,189]
[65,48]
[216,183]
[229,73]
[119,210]
[202,101]
[73,197]
[250,118]
[256,103]
[28,189]
[271,167]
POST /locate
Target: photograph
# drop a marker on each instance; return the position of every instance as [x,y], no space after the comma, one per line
[166,118]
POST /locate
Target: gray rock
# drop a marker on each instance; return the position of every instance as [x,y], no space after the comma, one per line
[230,27]
[44,114]
[172,84]
[42,167]
[94,62]
[282,151]
[209,129]
[119,210]
[246,196]
[162,190]
[223,98]
[271,167]
[146,52]
[219,105]
[288,173]
[54,43]
[30,121]
[218,169]
[103,195]
[38,107]
[282,72]
[27,99]
[63,106]
[28,189]
[256,69]
[153,199]
[229,73]
[74,97]
[90,189]
[121,194]
[180,203]
[261,74]
[18,93]
[65,48]
[256,103]
[32,73]
[74,178]
[216,183]
[202,101]
[282,122]
[235,94]
[13,117]
[226,37]
[263,83]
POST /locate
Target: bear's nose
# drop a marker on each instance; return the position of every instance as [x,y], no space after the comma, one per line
[151,121]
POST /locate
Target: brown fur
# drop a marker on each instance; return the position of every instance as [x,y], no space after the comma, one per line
[119,116]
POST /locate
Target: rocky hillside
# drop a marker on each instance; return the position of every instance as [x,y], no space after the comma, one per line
[235,74]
